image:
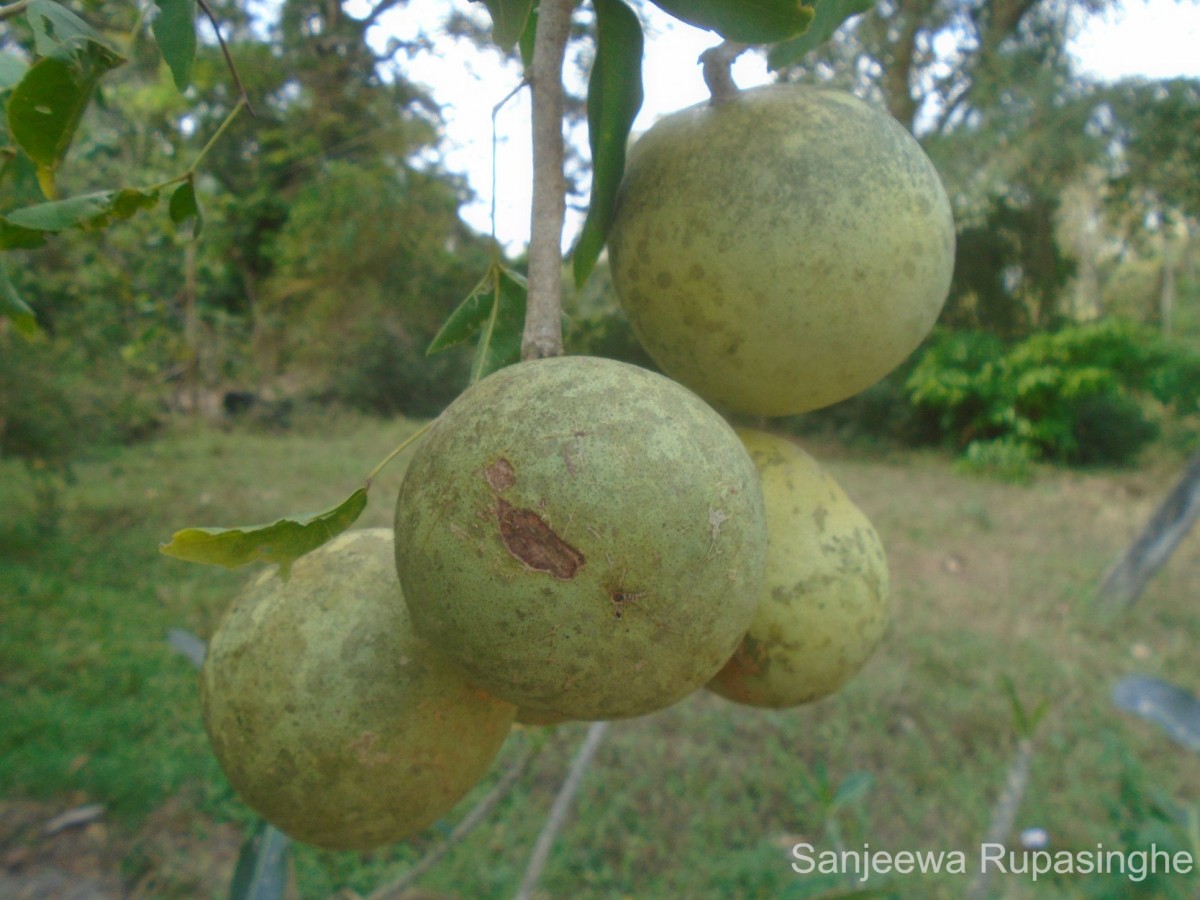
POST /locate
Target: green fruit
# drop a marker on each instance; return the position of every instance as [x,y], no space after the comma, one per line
[330,718]
[783,250]
[824,605]
[584,538]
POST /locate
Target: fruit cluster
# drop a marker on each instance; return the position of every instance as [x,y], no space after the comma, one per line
[581,539]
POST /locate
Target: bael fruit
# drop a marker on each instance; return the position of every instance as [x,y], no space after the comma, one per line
[583,537]
[330,718]
[782,250]
[824,606]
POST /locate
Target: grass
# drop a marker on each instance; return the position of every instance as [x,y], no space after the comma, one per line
[702,800]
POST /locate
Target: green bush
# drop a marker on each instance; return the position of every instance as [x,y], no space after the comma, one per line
[386,372]
[58,406]
[1079,395]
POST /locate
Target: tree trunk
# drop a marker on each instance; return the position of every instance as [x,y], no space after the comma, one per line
[1167,287]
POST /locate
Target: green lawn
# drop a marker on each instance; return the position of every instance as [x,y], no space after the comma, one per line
[703,800]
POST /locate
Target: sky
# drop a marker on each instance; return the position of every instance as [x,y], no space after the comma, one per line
[1151,38]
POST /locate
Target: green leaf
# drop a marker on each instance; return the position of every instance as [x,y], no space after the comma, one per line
[525,45]
[13,237]
[282,542]
[14,308]
[84,211]
[495,311]
[45,108]
[261,872]
[62,35]
[468,317]
[18,181]
[852,790]
[500,340]
[1172,708]
[185,211]
[614,98]
[830,14]
[12,70]
[175,30]
[745,21]
[509,18]
[48,102]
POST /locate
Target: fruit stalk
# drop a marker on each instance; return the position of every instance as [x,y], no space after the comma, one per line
[543,316]
[717,67]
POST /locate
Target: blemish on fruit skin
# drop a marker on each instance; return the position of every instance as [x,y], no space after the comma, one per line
[500,475]
[529,540]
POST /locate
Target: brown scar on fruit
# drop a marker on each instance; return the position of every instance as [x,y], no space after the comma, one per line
[500,475]
[622,598]
[529,540]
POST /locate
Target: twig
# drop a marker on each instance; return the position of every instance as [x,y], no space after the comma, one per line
[237,80]
[717,63]
[1004,813]
[13,9]
[558,811]
[233,114]
[543,316]
[478,813]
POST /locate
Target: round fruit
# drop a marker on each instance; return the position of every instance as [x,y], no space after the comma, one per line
[329,716]
[783,250]
[583,537]
[824,605]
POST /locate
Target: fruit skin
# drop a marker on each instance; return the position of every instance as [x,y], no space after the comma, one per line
[783,250]
[329,716]
[585,538]
[824,605]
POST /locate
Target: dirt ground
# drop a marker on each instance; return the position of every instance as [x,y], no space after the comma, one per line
[71,851]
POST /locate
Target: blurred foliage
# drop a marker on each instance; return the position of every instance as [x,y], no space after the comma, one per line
[1091,394]
[1009,269]
[1082,394]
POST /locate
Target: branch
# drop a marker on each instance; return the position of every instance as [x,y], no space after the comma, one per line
[1169,525]
[543,317]
[237,80]
[558,812]
[13,9]
[717,63]
[373,16]
[478,813]
[1004,813]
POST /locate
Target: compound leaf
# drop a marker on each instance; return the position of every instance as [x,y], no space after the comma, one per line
[281,542]
[614,99]
[500,339]
[495,312]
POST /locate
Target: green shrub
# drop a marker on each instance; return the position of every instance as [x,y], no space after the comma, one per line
[58,406]
[385,372]
[1079,395]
